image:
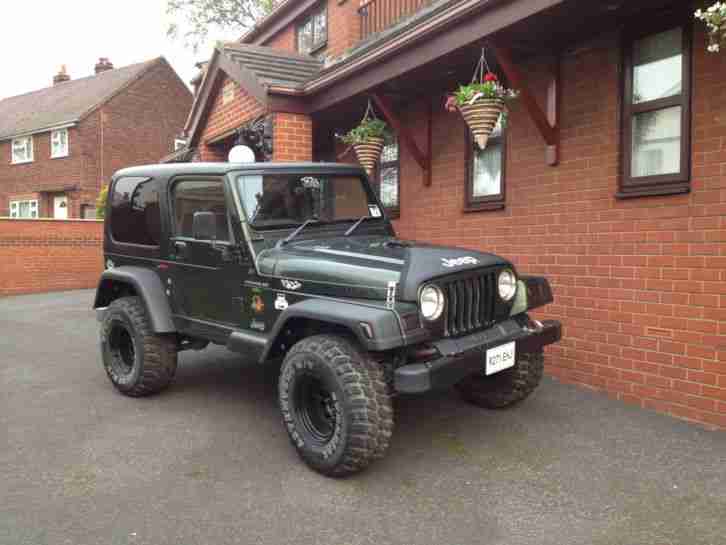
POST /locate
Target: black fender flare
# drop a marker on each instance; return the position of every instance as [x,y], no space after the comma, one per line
[384,323]
[149,288]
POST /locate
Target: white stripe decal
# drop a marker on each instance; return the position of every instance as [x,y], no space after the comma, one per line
[362,256]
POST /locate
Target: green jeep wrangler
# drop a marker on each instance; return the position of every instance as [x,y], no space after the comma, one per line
[297,265]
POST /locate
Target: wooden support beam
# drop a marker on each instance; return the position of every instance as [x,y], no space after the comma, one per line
[404,135]
[547,124]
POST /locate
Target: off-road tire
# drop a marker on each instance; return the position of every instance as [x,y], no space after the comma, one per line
[361,424]
[505,388]
[150,365]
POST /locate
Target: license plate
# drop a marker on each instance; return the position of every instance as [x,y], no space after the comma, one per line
[500,358]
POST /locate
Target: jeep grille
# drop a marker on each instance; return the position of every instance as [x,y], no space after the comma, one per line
[470,302]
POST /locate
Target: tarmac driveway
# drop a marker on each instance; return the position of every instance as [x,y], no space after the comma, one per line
[208,461]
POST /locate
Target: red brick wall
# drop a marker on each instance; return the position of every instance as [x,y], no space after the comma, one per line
[139,126]
[283,40]
[293,137]
[49,255]
[224,117]
[640,284]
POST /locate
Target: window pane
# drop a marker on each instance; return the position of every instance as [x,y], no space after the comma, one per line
[389,187]
[284,200]
[305,37]
[658,66]
[320,28]
[390,153]
[487,171]
[200,196]
[657,142]
[135,214]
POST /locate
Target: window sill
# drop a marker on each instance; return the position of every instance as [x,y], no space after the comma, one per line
[652,192]
[21,162]
[484,206]
[60,156]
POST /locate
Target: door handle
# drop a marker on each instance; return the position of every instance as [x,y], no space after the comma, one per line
[180,248]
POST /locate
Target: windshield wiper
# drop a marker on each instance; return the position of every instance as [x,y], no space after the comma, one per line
[355,225]
[297,231]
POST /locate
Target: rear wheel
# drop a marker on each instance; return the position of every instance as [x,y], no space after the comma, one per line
[505,388]
[335,405]
[138,362]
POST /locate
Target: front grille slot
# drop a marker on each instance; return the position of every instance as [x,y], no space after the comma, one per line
[470,302]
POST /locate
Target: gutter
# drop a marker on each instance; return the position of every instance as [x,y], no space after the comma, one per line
[48,128]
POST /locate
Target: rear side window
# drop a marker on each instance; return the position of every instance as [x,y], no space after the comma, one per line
[135,214]
[191,196]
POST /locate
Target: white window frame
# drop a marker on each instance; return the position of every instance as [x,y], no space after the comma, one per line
[15,208]
[65,150]
[28,150]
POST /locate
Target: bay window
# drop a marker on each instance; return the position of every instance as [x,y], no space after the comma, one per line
[24,209]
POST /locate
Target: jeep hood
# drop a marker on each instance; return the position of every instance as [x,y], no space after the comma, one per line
[370,262]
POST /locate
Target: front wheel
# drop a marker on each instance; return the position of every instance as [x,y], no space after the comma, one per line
[505,388]
[335,405]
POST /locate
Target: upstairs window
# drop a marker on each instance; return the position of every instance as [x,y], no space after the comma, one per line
[22,150]
[657,113]
[388,176]
[59,143]
[486,172]
[135,214]
[312,32]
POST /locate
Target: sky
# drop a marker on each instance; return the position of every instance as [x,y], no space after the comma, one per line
[37,37]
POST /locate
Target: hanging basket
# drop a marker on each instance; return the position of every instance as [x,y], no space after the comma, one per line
[369,152]
[482,117]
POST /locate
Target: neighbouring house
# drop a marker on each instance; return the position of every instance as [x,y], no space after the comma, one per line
[609,178]
[61,144]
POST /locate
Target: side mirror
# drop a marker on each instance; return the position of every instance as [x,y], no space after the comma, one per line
[204,226]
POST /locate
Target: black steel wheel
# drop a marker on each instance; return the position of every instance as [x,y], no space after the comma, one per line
[137,361]
[335,405]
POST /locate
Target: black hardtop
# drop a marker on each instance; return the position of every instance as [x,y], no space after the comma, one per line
[220,169]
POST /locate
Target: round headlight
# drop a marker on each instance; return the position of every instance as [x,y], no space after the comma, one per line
[431,302]
[507,285]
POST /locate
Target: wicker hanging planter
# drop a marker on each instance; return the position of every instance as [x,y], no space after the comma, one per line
[369,153]
[481,103]
[368,139]
[482,117]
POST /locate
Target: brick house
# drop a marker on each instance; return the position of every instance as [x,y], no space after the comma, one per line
[610,177]
[60,144]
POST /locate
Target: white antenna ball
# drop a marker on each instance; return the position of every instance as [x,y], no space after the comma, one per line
[241,154]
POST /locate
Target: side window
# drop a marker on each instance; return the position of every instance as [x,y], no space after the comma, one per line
[191,196]
[135,214]
[486,172]
[388,179]
[656,113]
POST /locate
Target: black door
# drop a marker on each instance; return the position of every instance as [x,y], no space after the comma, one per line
[207,283]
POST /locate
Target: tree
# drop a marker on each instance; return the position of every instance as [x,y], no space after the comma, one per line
[101,203]
[199,16]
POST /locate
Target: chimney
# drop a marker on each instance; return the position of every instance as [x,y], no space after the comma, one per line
[103,64]
[61,76]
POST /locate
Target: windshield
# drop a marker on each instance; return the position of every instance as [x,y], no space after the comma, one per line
[279,200]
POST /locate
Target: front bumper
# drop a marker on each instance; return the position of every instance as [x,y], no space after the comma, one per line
[464,356]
